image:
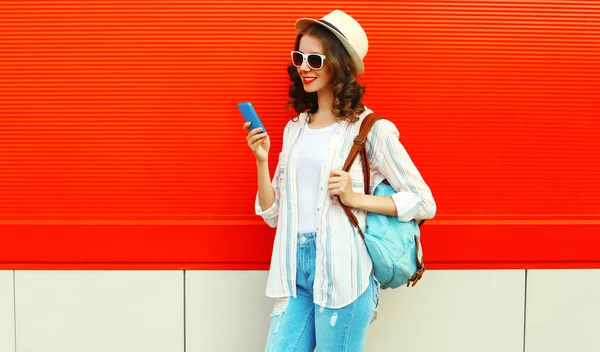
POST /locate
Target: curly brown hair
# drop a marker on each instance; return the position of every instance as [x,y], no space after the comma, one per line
[347,91]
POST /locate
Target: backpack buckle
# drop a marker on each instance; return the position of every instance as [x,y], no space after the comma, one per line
[359,140]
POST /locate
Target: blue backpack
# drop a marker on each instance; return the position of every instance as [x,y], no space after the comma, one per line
[394,246]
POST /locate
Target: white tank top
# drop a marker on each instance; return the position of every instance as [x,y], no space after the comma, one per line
[309,159]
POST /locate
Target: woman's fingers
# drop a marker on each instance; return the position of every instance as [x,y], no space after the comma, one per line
[256,131]
[253,133]
[256,138]
[246,127]
[334,192]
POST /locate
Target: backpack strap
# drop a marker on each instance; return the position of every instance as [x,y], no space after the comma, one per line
[359,147]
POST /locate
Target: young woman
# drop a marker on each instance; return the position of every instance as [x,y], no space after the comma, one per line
[321,273]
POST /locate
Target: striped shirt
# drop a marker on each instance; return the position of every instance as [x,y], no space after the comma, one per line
[343,264]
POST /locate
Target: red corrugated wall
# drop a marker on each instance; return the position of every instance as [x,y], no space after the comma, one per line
[121,145]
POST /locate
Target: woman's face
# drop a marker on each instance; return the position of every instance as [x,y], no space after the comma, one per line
[313,80]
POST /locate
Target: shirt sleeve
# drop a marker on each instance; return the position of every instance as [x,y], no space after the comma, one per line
[271,215]
[413,199]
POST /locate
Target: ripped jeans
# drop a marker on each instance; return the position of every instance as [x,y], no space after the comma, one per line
[299,325]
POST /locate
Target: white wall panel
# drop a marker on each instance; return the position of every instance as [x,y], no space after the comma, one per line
[99,311]
[453,311]
[563,310]
[462,311]
[227,311]
[7,309]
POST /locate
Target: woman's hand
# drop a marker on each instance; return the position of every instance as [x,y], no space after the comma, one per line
[259,142]
[340,184]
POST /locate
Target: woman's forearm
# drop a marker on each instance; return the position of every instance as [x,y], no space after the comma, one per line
[266,193]
[374,204]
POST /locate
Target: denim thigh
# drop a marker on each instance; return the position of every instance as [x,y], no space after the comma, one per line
[292,322]
[345,329]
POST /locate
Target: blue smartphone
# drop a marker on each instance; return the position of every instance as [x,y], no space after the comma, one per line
[250,115]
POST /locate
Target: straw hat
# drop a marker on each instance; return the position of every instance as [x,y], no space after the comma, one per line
[347,30]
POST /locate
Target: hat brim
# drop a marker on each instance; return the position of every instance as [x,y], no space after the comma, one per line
[358,63]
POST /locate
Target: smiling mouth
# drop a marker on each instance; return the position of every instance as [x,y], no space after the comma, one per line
[307,80]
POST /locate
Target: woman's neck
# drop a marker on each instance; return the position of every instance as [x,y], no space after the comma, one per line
[324,115]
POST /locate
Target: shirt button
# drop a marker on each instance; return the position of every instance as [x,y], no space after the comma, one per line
[321,188]
[318,209]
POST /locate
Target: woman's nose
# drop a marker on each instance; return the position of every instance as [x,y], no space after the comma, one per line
[304,66]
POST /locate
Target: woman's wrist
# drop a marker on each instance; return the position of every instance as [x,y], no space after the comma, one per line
[356,201]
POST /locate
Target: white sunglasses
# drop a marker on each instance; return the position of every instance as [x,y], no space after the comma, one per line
[314,61]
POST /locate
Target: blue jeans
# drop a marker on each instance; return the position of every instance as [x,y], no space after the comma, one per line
[299,325]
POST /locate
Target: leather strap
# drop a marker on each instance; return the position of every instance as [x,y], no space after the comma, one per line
[359,147]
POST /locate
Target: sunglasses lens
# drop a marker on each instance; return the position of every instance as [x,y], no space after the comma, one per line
[315,61]
[297,59]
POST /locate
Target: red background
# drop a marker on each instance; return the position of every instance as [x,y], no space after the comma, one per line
[121,145]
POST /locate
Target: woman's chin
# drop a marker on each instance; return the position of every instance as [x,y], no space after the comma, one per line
[309,89]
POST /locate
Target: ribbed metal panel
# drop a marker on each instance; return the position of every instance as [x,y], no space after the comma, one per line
[125,111]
